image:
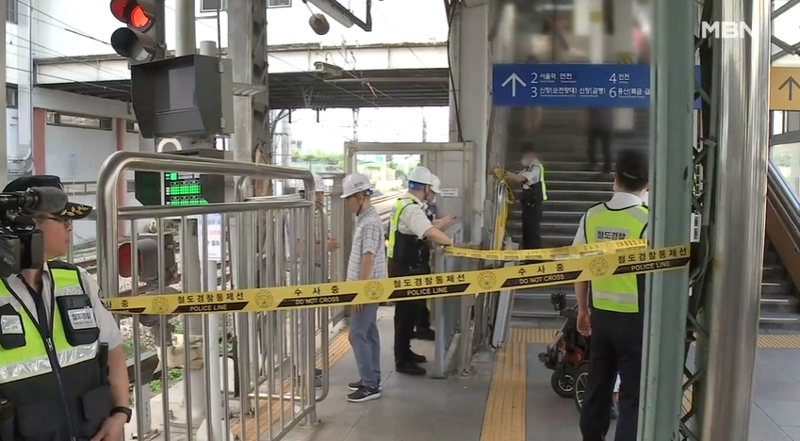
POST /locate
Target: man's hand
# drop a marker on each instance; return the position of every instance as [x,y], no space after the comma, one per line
[584,323]
[448,218]
[112,428]
[333,245]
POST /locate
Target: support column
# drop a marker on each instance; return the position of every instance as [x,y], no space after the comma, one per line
[185,34]
[739,211]
[597,32]
[3,146]
[38,141]
[671,128]
[470,101]
[247,46]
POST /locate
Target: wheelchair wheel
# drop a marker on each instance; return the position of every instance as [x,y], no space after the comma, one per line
[563,383]
[581,380]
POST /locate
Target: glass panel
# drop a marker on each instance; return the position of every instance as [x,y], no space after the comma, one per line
[786,157]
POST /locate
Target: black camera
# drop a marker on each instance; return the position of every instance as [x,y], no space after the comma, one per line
[21,244]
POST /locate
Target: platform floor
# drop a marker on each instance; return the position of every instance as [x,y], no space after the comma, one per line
[508,398]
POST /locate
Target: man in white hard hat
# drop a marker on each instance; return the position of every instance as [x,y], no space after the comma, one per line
[409,255]
[367,261]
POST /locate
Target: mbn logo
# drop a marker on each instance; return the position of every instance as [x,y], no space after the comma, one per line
[725,29]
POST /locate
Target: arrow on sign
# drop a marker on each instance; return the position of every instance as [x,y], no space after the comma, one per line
[514,79]
[791,83]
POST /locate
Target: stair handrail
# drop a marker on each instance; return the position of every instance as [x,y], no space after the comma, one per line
[785,203]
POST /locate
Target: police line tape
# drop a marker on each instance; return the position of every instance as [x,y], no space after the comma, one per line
[564,253]
[406,288]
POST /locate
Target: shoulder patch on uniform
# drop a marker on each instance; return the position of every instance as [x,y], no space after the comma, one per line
[102,298]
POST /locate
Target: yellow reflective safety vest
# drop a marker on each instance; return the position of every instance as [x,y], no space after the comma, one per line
[408,255]
[536,192]
[618,293]
[51,378]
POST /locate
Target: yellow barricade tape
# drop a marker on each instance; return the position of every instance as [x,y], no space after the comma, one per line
[625,57]
[406,288]
[563,253]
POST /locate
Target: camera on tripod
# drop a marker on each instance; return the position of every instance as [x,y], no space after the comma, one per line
[21,244]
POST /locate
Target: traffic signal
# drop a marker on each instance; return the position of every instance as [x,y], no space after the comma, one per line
[139,40]
[147,258]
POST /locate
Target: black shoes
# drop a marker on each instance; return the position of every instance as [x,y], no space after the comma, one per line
[410,368]
[363,394]
[425,334]
[356,385]
[416,358]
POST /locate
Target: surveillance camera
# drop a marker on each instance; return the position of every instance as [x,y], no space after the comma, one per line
[319,24]
[327,69]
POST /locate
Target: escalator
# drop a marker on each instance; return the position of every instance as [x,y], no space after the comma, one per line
[780,304]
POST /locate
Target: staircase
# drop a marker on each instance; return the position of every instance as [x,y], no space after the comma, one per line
[572,187]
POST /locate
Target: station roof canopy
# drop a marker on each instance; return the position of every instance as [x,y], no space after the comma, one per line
[302,90]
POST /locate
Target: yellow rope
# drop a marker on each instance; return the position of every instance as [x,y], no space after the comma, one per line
[500,175]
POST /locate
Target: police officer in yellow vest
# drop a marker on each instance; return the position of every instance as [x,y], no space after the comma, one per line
[614,319]
[408,254]
[63,375]
[534,193]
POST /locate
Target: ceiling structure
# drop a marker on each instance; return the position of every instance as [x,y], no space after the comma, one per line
[303,90]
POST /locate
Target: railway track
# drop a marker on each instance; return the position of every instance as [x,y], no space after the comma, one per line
[382,204]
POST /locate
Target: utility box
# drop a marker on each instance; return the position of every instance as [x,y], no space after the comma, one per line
[183,96]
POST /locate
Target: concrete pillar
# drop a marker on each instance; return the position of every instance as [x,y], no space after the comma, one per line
[184,28]
[3,146]
[597,32]
[667,301]
[470,101]
[624,53]
[739,210]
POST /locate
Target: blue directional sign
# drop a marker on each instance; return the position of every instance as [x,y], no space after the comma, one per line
[573,85]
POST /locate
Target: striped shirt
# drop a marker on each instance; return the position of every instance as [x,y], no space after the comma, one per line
[368,238]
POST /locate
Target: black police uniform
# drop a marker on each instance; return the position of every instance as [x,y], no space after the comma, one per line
[410,257]
[423,324]
[67,403]
[532,201]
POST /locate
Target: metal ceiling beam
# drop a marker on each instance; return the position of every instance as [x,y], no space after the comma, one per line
[789,5]
[786,49]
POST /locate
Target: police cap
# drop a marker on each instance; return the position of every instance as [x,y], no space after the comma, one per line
[632,165]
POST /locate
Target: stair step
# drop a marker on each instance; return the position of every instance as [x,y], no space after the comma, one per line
[578,176]
[579,185]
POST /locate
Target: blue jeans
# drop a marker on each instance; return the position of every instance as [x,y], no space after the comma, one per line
[366,344]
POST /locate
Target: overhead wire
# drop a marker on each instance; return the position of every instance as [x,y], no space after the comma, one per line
[72,29]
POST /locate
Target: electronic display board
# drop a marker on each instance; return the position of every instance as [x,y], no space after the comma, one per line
[181,189]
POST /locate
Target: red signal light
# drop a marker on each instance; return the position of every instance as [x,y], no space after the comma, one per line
[118,8]
[138,18]
[131,13]
[125,264]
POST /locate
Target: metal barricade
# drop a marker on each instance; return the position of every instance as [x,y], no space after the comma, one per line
[274,354]
[449,326]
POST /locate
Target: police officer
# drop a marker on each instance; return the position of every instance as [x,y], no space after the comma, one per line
[614,320]
[422,330]
[63,375]
[534,193]
[409,255]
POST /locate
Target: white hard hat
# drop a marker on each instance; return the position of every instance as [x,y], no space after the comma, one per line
[355,183]
[319,183]
[436,184]
[421,175]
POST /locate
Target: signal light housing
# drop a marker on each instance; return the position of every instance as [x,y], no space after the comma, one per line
[138,40]
[147,258]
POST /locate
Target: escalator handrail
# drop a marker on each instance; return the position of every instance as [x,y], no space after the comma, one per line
[785,203]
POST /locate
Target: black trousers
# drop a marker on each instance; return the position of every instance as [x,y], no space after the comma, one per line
[423,318]
[602,136]
[616,347]
[406,315]
[531,225]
